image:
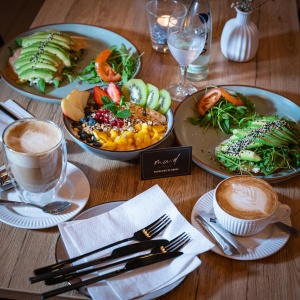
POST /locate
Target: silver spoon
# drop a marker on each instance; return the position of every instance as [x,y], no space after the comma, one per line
[50,208]
[286,228]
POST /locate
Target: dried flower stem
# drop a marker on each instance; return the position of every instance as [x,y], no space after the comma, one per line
[246,5]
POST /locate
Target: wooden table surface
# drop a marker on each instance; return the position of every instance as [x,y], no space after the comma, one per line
[276,67]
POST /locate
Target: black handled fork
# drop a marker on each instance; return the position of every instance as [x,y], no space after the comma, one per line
[171,246]
[144,234]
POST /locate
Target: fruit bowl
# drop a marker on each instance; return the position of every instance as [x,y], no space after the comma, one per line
[121,155]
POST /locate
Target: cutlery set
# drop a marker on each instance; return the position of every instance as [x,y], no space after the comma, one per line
[160,250]
[226,241]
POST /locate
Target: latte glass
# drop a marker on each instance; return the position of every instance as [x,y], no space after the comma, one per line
[245,205]
[35,157]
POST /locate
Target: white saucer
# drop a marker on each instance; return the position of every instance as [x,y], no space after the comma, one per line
[61,253]
[76,189]
[260,245]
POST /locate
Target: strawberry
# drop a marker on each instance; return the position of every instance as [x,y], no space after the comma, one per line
[114,92]
[98,93]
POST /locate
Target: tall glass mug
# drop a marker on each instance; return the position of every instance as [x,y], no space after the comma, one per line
[35,157]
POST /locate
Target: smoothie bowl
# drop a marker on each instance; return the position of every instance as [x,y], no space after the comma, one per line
[119,123]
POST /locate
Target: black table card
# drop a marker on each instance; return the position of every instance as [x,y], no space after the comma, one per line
[168,162]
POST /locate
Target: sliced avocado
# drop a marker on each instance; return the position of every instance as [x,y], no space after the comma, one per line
[287,131]
[267,142]
[283,135]
[249,156]
[58,35]
[61,53]
[33,40]
[272,138]
[254,145]
[38,65]
[28,74]
[58,51]
[258,123]
[24,61]
[241,132]
[31,55]
[235,138]
[223,147]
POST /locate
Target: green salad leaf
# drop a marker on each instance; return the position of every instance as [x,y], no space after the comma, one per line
[121,60]
[226,115]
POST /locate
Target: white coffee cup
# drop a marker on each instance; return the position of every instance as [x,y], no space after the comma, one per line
[245,205]
[35,158]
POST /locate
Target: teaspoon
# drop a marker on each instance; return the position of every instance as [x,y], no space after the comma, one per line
[50,208]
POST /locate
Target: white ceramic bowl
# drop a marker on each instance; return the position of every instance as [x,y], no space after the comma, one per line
[120,155]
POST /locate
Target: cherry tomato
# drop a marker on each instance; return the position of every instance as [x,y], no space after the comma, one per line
[98,94]
[104,70]
[211,97]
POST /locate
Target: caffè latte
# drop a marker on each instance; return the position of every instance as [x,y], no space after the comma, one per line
[34,154]
[246,197]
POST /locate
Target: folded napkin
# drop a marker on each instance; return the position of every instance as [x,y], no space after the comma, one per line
[85,235]
[15,109]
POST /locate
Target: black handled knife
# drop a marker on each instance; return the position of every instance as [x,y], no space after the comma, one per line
[131,265]
[116,253]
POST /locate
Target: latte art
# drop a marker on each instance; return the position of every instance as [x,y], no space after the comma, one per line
[249,198]
[246,197]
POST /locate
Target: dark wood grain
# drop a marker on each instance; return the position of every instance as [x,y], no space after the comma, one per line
[275,67]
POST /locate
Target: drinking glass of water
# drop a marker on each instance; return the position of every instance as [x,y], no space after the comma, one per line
[186,39]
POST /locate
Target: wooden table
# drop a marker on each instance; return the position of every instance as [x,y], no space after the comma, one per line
[275,67]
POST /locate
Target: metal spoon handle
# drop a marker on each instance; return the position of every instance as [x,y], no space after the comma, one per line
[4,202]
[286,228]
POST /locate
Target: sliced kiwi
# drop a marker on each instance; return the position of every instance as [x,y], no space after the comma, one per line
[135,91]
[153,96]
[164,101]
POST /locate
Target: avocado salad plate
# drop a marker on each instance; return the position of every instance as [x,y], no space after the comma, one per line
[96,39]
[204,141]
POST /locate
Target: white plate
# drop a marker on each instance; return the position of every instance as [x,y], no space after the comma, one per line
[61,253]
[260,245]
[76,189]
[267,103]
[97,38]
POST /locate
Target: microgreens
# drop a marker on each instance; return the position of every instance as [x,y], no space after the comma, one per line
[225,115]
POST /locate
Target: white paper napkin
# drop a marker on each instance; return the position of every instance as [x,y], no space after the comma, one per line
[16,109]
[85,235]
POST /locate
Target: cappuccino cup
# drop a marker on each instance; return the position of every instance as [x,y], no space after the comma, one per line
[245,205]
[35,158]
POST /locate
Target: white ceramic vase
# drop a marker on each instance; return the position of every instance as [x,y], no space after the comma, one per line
[239,39]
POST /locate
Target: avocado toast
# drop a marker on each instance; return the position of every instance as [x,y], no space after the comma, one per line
[45,58]
[266,145]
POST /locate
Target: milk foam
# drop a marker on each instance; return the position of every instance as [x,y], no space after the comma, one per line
[249,198]
[32,137]
[30,142]
[246,197]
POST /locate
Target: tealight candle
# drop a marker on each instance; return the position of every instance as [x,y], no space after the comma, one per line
[163,20]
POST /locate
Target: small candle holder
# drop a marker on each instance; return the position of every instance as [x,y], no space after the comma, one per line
[159,13]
